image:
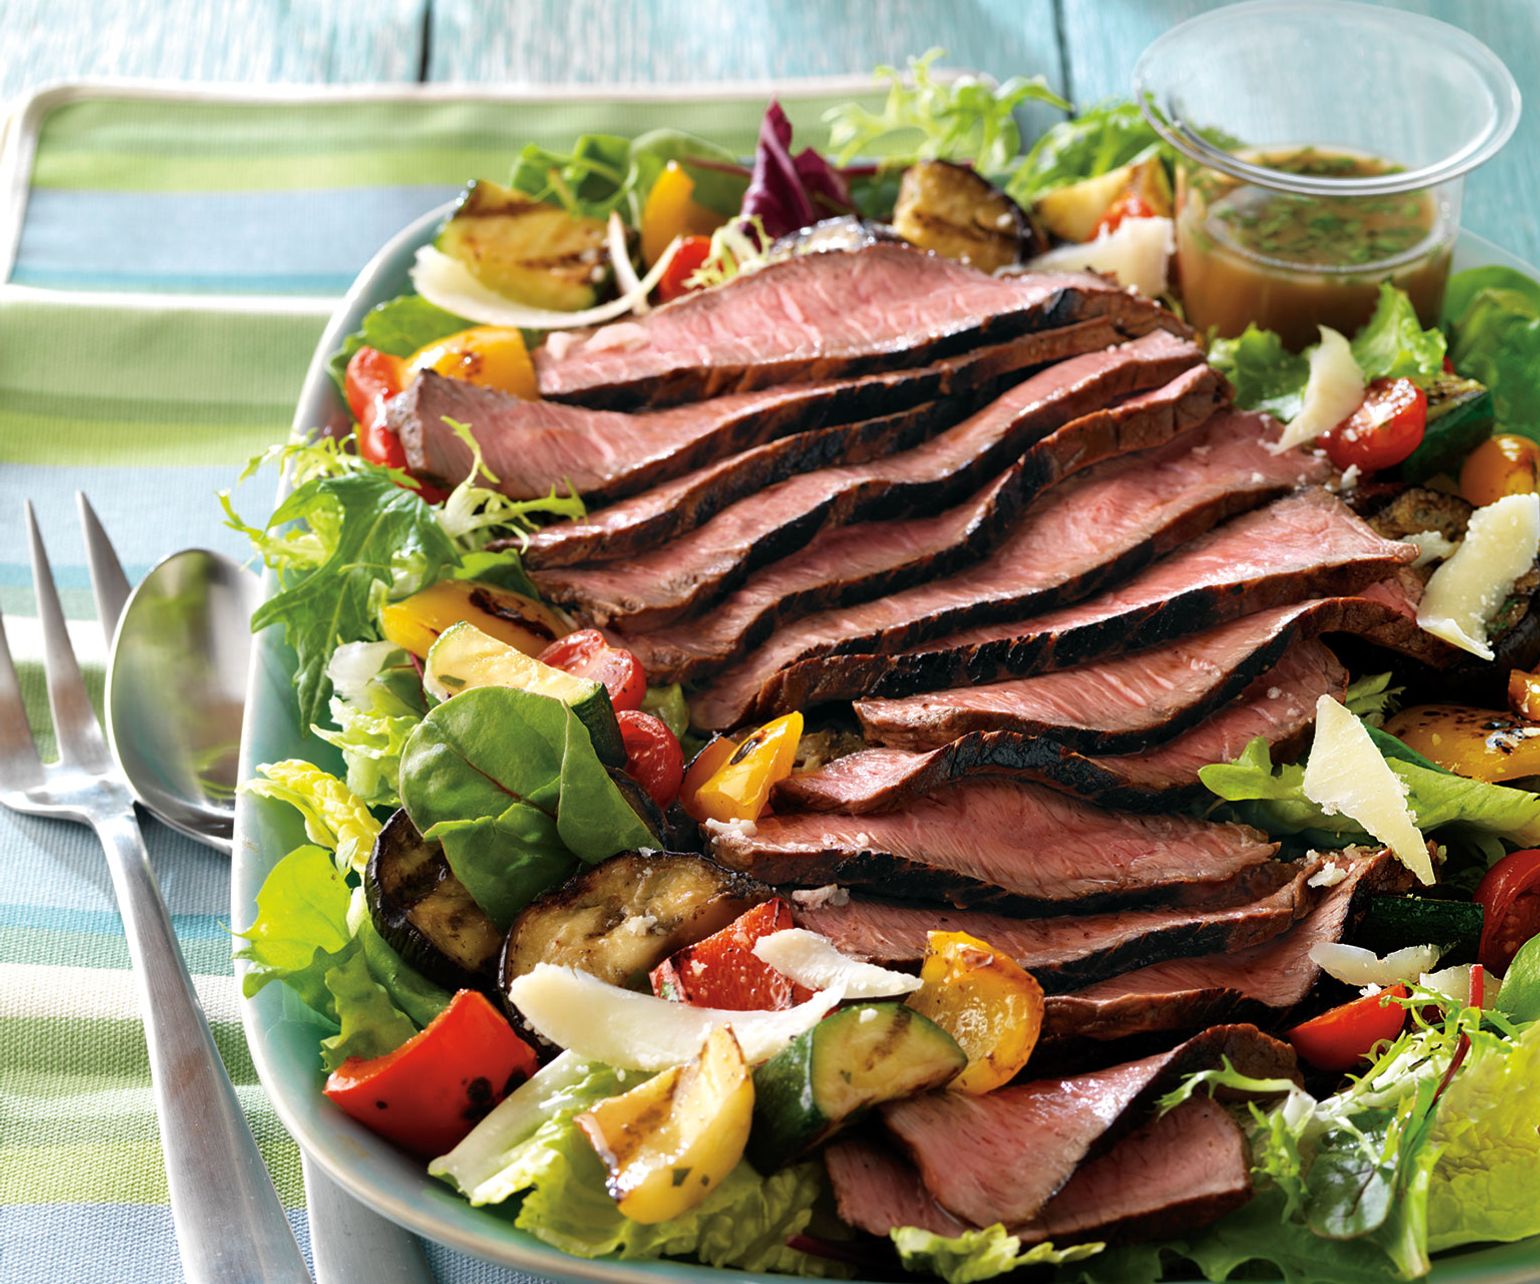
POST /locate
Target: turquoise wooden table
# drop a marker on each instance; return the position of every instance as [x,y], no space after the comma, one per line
[150,258]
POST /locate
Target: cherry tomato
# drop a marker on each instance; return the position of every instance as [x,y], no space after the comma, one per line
[1341,1038]
[373,378]
[586,654]
[692,252]
[430,1092]
[1129,205]
[653,756]
[1509,896]
[1501,465]
[1384,430]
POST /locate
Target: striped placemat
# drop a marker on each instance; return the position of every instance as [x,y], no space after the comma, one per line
[169,259]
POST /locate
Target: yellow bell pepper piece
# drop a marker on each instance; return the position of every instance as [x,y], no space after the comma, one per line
[1484,744]
[415,622]
[669,1142]
[985,1001]
[741,786]
[493,356]
[671,210]
[1524,694]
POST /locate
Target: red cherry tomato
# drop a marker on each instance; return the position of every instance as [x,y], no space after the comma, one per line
[692,252]
[1128,205]
[653,756]
[1341,1038]
[585,654]
[428,1093]
[1384,430]
[1509,896]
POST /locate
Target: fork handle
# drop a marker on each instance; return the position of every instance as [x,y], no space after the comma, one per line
[230,1226]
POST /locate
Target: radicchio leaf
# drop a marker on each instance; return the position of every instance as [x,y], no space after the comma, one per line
[789,192]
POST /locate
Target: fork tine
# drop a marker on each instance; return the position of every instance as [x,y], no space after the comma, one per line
[20,767]
[74,721]
[108,583]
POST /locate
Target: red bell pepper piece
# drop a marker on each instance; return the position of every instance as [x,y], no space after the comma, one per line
[723,971]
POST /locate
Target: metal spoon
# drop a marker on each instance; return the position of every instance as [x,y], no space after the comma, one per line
[176,689]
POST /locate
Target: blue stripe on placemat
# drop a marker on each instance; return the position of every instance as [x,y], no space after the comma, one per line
[56,918]
[289,242]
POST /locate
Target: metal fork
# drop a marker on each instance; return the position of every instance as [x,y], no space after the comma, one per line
[230,1226]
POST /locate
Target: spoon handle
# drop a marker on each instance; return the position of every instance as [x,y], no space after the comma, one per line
[230,1226]
[350,1242]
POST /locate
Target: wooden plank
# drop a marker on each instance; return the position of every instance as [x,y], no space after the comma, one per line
[252,41]
[1104,38]
[639,41]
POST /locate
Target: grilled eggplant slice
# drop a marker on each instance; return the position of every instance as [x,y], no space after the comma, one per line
[532,252]
[424,911]
[623,917]
[952,210]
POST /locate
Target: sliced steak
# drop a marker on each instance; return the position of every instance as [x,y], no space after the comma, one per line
[855,563]
[695,569]
[1130,702]
[1174,1173]
[1066,951]
[1085,533]
[1308,544]
[1001,1157]
[877,1189]
[656,498]
[1006,845]
[1261,983]
[1278,706]
[821,316]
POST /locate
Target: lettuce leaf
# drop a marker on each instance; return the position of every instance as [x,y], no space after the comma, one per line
[334,816]
[1098,140]
[1266,375]
[1393,345]
[1493,318]
[376,704]
[369,1023]
[977,1254]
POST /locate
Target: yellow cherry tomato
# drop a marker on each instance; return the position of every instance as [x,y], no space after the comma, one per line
[415,622]
[740,788]
[493,356]
[671,210]
[1501,465]
[1524,694]
[984,1000]
[1483,744]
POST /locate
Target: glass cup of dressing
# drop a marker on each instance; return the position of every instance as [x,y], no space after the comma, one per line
[1321,149]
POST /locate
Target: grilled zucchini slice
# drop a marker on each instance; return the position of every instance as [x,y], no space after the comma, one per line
[952,210]
[532,252]
[424,911]
[624,916]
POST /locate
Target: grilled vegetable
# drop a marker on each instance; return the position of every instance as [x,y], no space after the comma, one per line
[667,1143]
[587,654]
[1385,430]
[1073,212]
[1484,744]
[1509,895]
[414,623]
[464,657]
[986,1001]
[952,210]
[1339,1039]
[1459,420]
[711,759]
[848,1062]
[653,756]
[1524,694]
[1394,922]
[1503,465]
[623,917]
[534,253]
[1420,509]
[424,911]
[671,210]
[489,355]
[741,787]
[722,971]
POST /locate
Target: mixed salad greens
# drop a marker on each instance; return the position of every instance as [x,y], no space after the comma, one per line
[522,753]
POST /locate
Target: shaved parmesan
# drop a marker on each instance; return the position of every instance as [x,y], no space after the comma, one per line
[811,961]
[1432,546]
[1500,544]
[1354,966]
[633,1031]
[1334,390]
[1347,775]
[447,283]
[1137,253]
[1454,983]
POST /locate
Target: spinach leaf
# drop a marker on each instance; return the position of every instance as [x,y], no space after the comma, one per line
[1097,141]
[1349,1188]
[719,186]
[1493,318]
[1520,993]
[509,782]
[399,327]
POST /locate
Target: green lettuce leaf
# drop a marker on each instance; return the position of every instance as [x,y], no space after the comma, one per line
[1493,318]
[1393,345]
[376,704]
[399,327]
[1373,699]
[1266,375]
[1098,140]
[667,705]
[510,784]
[334,816]
[977,1254]
[370,1024]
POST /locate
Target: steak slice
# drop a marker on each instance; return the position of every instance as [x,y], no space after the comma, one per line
[1279,706]
[1130,702]
[1002,1156]
[861,561]
[658,499]
[876,1189]
[700,566]
[1010,846]
[1067,951]
[607,455]
[1087,532]
[820,316]
[1307,544]
[1261,983]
